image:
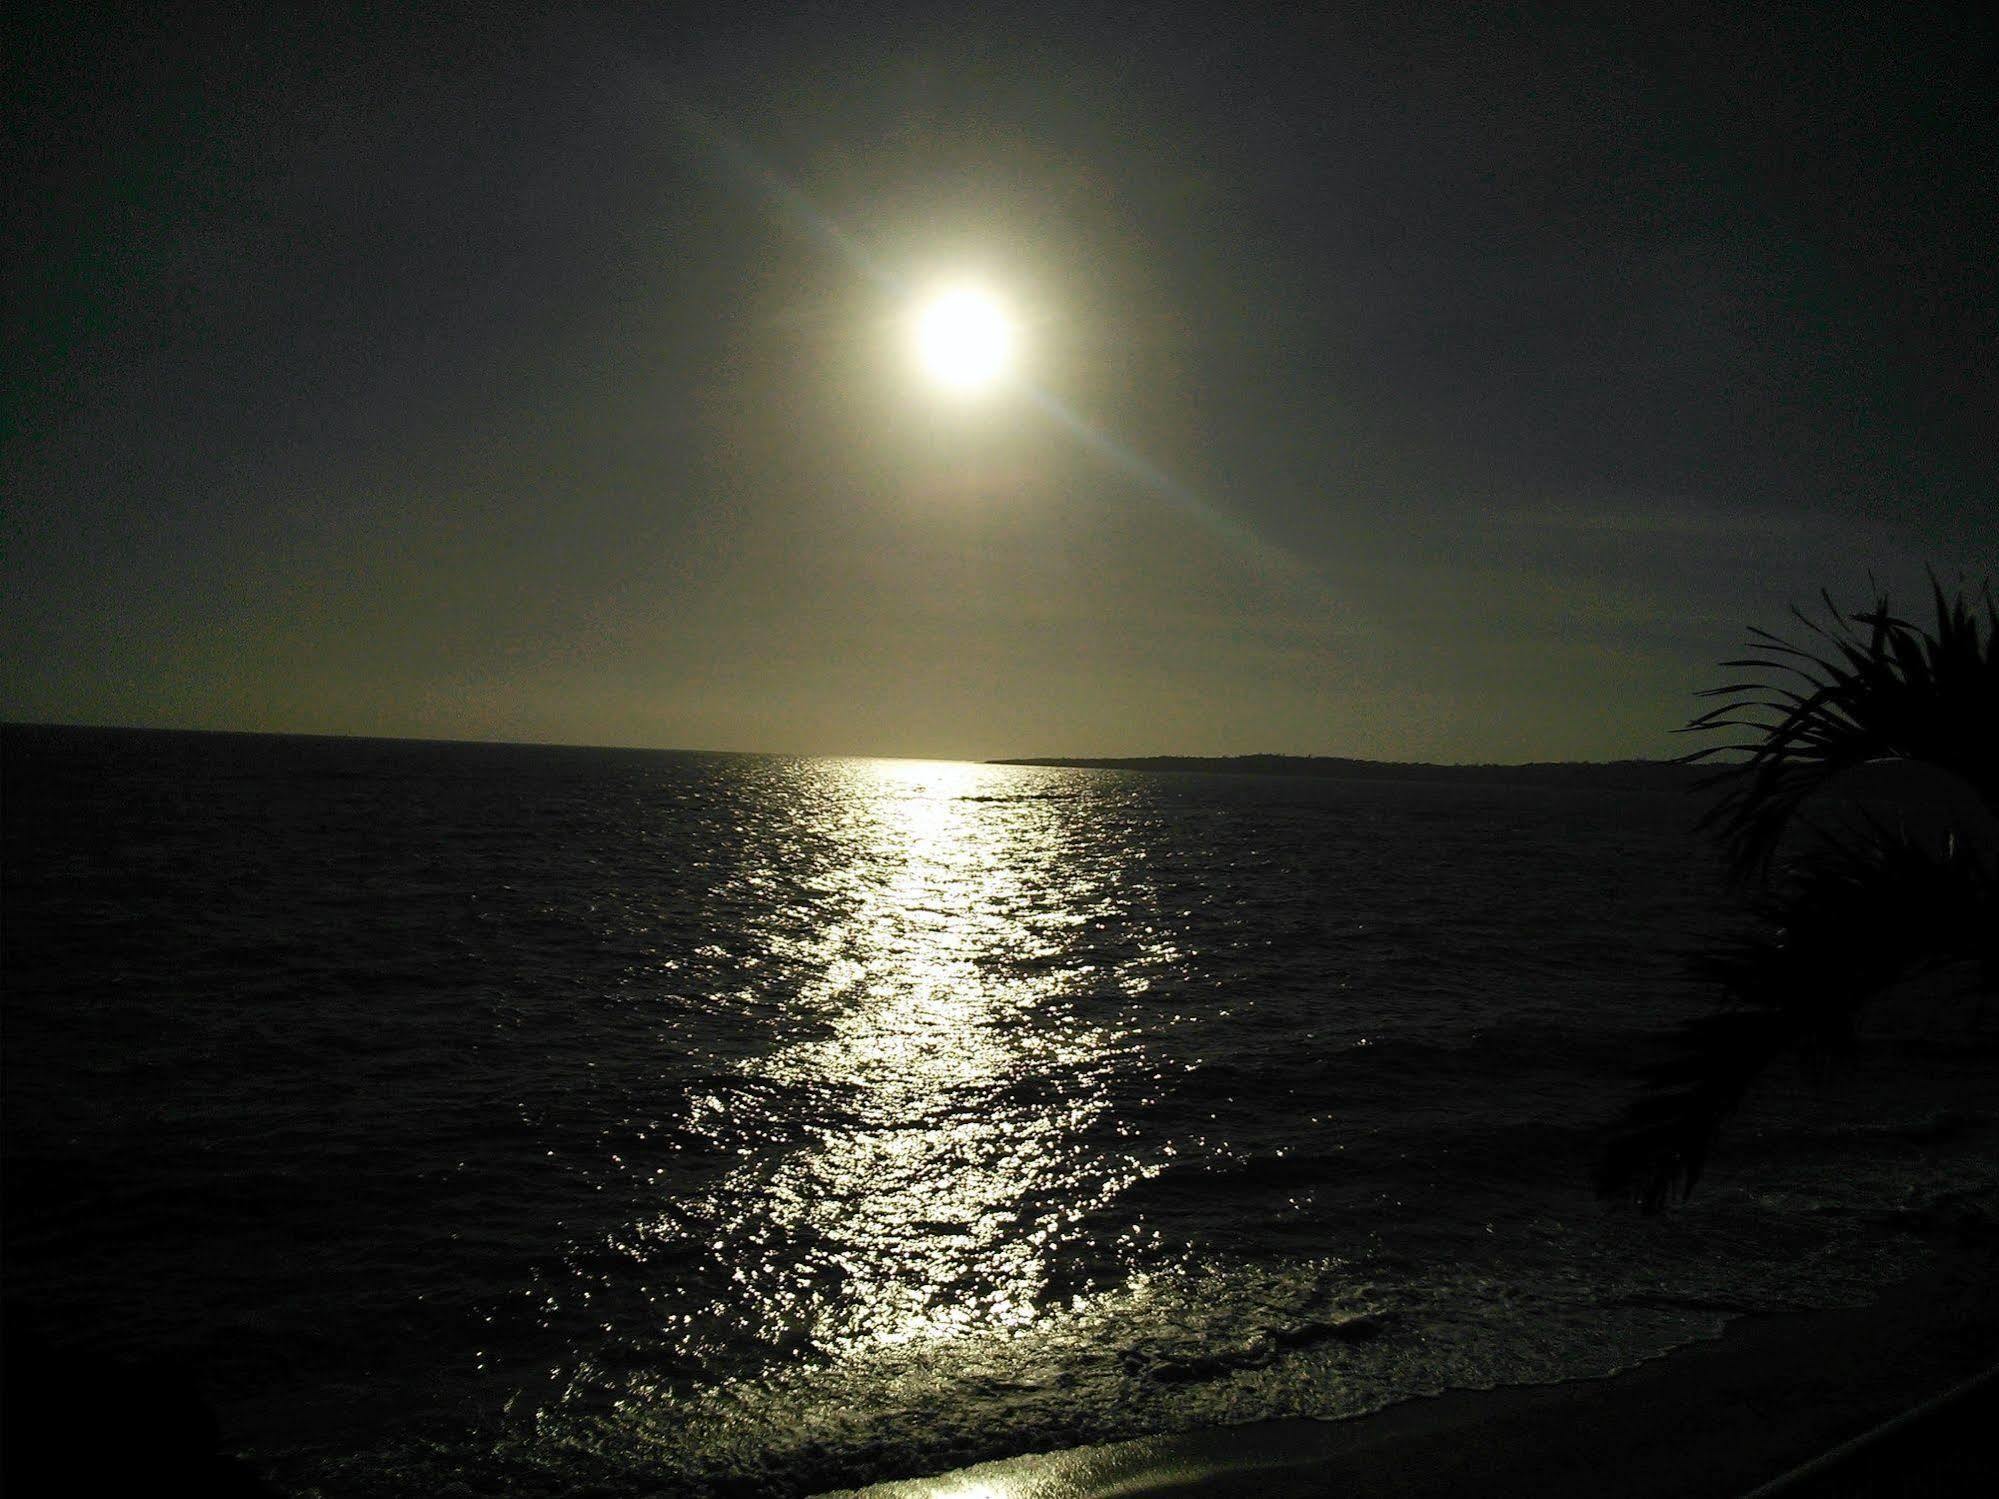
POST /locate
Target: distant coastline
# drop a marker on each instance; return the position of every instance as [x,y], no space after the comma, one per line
[1643,775]
[1649,775]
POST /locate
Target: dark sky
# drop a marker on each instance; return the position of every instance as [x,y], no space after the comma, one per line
[1455,387]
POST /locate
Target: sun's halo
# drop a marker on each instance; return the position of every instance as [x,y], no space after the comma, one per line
[964,338]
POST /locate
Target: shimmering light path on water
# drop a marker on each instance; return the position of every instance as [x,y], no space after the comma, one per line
[960,1132]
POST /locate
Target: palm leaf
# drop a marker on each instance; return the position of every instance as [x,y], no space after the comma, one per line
[1854,913]
[1869,913]
[1898,691]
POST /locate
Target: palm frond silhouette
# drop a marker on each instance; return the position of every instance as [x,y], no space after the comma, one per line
[1897,692]
[1844,916]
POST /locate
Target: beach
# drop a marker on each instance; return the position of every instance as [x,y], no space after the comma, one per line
[1716,1418]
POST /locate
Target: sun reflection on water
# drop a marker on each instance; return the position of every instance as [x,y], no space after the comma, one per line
[901,1112]
[949,1074]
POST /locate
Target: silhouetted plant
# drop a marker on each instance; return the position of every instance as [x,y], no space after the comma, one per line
[1897,693]
[1854,912]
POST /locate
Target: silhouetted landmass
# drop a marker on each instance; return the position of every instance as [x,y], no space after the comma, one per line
[1646,775]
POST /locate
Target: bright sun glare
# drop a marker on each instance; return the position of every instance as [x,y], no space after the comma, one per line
[964,339]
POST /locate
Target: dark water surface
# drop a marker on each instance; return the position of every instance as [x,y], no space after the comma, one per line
[535,1119]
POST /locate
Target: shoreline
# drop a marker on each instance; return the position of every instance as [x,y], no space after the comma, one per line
[1717,1417]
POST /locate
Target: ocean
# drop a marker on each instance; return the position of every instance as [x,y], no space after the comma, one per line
[473,1118]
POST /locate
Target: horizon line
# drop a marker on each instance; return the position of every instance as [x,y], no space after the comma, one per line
[1030,761]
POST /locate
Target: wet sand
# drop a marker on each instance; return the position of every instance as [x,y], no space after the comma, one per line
[1716,1418]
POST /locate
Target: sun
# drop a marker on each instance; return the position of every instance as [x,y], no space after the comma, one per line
[964,338]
